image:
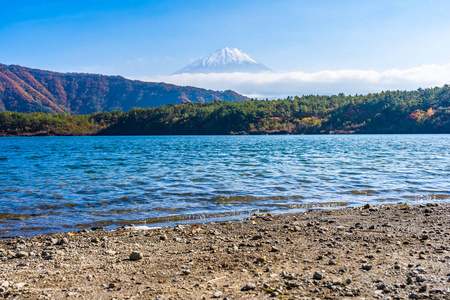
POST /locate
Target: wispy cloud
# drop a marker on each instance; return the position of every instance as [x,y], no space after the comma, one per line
[273,85]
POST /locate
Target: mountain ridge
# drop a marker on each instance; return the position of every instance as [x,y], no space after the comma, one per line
[24,89]
[225,60]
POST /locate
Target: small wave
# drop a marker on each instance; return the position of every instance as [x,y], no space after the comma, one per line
[363,192]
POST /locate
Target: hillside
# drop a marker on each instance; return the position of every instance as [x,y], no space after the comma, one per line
[31,90]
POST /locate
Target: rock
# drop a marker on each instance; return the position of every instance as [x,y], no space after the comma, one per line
[21,254]
[249,287]
[186,272]
[261,259]
[257,237]
[424,237]
[2,290]
[136,256]
[288,276]
[420,278]
[179,227]
[163,237]
[47,254]
[414,296]
[95,228]
[367,267]
[337,281]
[217,294]
[318,276]
[110,252]
[20,285]
[274,249]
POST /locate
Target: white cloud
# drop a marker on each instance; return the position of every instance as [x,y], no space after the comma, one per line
[273,85]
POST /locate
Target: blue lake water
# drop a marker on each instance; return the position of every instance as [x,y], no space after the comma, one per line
[50,184]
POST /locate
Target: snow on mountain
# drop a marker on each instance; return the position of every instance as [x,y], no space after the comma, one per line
[226,60]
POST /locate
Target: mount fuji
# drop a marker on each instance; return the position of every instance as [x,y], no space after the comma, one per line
[226,60]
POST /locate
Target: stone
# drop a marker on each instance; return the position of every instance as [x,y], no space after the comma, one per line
[136,256]
[420,278]
[186,272]
[249,287]
[63,241]
[217,294]
[367,267]
[21,254]
[20,285]
[318,276]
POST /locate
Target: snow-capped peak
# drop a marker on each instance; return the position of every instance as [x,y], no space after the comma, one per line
[226,60]
[227,56]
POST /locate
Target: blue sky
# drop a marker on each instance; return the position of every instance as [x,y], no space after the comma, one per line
[151,39]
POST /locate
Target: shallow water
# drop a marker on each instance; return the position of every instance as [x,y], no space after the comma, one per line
[52,184]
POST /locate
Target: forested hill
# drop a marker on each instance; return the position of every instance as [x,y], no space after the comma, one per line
[420,111]
[30,90]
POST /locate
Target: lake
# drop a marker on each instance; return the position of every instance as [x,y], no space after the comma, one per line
[50,184]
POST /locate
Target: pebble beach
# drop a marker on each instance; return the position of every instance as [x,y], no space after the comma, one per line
[383,252]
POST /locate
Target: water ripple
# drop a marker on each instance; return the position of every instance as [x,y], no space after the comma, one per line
[64,183]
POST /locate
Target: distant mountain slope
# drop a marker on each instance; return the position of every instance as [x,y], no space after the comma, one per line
[226,60]
[30,90]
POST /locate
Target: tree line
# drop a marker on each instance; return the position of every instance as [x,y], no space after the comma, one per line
[419,111]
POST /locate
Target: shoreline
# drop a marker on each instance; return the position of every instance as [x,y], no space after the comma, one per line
[390,251]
